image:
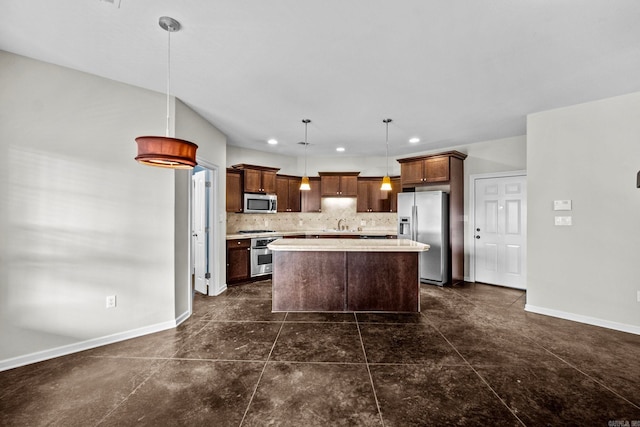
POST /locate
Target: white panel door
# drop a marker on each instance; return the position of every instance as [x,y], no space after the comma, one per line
[500,231]
[199,231]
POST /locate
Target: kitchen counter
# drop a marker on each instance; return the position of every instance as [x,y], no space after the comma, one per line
[346,275]
[347,245]
[313,233]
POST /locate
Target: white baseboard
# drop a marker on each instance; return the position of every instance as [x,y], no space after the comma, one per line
[184,316]
[39,356]
[217,292]
[632,329]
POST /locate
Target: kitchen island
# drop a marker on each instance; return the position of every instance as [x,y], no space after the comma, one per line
[346,275]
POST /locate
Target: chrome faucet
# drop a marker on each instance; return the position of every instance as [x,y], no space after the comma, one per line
[340,221]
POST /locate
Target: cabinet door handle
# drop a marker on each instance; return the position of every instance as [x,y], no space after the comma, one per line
[248,249]
[239,243]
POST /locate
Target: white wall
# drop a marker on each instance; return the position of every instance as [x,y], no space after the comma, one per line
[79,218]
[590,154]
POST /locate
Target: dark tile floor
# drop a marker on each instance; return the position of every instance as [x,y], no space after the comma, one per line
[472,357]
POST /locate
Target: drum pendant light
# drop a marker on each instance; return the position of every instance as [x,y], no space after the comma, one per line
[386,181]
[164,151]
[304,184]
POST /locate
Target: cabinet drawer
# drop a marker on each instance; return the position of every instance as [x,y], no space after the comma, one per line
[238,243]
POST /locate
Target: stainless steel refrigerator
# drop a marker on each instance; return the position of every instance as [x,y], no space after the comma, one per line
[423,216]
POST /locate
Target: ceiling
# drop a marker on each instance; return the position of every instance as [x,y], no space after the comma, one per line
[450,72]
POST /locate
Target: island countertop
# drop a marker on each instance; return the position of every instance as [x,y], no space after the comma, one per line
[347,245]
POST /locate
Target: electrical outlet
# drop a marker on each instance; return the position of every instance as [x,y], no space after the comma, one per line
[111,301]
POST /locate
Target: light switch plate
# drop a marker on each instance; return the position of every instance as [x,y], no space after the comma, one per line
[563,220]
[562,205]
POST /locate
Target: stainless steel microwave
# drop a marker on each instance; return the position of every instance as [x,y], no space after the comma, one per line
[260,203]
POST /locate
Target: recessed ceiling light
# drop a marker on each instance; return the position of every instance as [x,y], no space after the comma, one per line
[340,149]
[272,141]
[414,140]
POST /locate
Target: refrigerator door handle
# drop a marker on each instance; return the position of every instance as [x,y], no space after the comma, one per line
[414,223]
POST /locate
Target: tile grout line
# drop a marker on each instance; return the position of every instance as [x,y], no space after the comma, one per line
[478,374]
[595,380]
[524,335]
[255,390]
[165,360]
[366,361]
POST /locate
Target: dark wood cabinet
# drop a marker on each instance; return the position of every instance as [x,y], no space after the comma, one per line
[412,172]
[436,169]
[234,190]
[396,187]
[370,197]
[238,260]
[339,184]
[311,199]
[417,171]
[288,191]
[444,171]
[258,179]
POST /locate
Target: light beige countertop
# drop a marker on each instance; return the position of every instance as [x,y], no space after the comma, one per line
[347,245]
[312,233]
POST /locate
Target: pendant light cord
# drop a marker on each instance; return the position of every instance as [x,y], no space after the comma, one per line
[306,122]
[387,148]
[168,79]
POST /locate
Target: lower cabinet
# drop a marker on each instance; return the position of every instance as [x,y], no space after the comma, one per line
[238,260]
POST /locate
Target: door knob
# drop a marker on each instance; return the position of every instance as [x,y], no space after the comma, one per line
[477,237]
[477,229]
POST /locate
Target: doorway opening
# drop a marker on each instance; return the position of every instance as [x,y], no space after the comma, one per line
[205,234]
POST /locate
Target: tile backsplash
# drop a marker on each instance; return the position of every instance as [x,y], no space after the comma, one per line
[333,209]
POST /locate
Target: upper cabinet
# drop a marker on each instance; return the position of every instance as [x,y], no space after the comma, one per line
[372,199]
[417,171]
[258,179]
[339,184]
[396,187]
[311,199]
[288,191]
[234,190]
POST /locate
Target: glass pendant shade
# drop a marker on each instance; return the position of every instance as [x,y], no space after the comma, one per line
[386,184]
[304,184]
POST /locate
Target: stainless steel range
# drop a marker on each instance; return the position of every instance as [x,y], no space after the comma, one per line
[261,262]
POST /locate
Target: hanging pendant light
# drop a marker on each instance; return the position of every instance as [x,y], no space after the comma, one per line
[386,181]
[164,151]
[304,184]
